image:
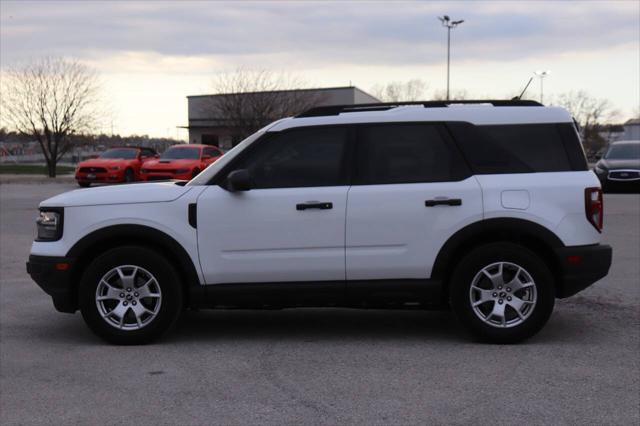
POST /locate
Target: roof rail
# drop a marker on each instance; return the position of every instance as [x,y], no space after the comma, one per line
[384,106]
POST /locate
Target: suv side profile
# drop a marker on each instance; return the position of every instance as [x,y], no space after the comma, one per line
[486,207]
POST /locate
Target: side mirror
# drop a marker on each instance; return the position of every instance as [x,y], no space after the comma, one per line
[239,180]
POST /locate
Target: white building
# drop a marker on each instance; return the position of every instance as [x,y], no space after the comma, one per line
[632,129]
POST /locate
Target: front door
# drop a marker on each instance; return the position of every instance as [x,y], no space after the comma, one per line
[290,226]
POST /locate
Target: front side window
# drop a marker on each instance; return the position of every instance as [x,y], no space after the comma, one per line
[298,158]
[406,153]
[212,152]
[181,154]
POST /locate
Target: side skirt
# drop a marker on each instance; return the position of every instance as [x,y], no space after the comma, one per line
[376,294]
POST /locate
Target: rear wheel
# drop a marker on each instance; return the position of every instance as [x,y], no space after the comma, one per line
[502,292]
[195,173]
[130,295]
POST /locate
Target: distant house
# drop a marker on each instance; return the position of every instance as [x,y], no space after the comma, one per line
[208,125]
[632,129]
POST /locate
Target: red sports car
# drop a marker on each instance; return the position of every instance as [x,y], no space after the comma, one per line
[114,165]
[180,162]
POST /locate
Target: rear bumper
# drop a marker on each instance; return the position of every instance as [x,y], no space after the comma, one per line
[581,266]
[55,279]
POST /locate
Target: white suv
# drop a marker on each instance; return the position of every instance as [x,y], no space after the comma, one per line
[486,207]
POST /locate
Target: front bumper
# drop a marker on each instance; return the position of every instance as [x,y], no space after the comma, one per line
[54,276]
[581,266]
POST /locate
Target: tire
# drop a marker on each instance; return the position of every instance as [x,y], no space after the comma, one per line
[129,176]
[195,173]
[533,292]
[114,319]
[84,184]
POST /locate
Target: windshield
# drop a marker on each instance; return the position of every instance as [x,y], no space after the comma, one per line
[205,176]
[125,153]
[181,154]
[627,151]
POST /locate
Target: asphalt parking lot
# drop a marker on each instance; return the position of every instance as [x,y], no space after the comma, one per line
[320,366]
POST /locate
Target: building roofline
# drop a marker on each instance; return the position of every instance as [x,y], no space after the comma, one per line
[312,89]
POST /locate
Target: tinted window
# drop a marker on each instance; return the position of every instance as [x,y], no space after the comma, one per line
[520,148]
[406,153]
[181,154]
[125,153]
[298,158]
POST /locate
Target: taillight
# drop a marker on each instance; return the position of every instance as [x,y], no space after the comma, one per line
[593,207]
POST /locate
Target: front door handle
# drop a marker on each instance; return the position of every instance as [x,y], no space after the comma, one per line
[443,202]
[314,205]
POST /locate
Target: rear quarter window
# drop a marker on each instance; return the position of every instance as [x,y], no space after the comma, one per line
[520,148]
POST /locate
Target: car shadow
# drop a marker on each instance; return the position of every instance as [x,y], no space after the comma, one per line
[328,325]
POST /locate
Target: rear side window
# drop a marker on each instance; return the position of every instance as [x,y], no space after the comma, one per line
[299,158]
[406,153]
[520,148]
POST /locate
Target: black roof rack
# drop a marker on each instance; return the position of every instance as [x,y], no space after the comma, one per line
[384,106]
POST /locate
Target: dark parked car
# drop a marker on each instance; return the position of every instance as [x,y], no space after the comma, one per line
[619,168]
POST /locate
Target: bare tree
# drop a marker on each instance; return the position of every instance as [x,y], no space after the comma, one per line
[590,113]
[398,91]
[50,100]
[457,95]
[249,100]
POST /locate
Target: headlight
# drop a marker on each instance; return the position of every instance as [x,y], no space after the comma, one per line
[180,171]
[114,168]
[49,225]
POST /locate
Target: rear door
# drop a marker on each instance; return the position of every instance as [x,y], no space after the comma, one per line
[412,190]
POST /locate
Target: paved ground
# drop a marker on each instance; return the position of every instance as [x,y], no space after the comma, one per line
[320,366]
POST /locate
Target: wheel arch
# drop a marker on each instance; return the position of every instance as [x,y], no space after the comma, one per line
[529,234]
[103,239]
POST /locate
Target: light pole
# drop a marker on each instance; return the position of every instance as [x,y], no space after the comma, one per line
[541,75]
[448,23]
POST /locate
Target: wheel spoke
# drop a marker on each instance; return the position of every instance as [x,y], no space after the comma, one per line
[517,283]
[145,290]
[496,279]
[518,304]
[111,294]
[498,312]
[485,296]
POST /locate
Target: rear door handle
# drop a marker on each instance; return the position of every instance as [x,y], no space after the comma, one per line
[314,205]
[443,202]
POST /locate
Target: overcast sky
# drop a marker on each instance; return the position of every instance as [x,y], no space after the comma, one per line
[151,55]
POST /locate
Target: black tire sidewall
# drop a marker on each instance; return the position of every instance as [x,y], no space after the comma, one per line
[168,280]
[483,256]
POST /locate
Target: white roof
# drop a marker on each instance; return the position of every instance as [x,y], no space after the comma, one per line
[472,113]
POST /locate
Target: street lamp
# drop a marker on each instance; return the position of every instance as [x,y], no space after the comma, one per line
[448,23]
[541,75]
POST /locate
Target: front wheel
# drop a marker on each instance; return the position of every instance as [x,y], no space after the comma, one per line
[129,176]
[130,295]
[502,292]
